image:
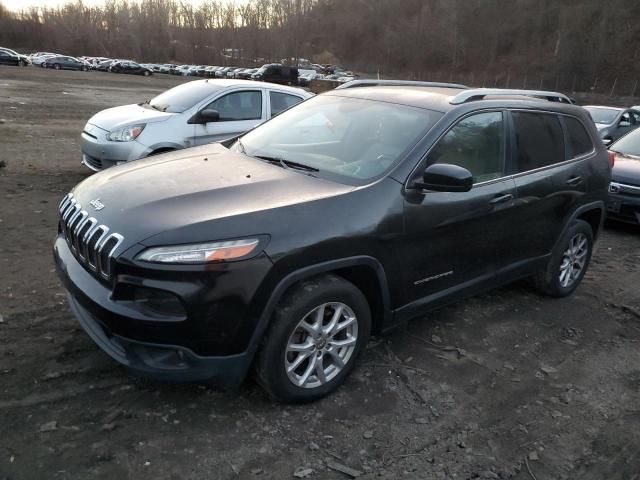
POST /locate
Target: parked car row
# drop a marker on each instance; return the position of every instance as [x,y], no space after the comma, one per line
[278,73]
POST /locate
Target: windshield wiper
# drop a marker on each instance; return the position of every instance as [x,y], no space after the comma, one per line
[287,163]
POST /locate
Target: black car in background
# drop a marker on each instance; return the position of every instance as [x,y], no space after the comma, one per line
[65,63]
[11,57]
[130,67]
[350,213]
[624,189]
[277,73]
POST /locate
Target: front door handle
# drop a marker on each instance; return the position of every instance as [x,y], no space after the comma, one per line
[505,197]
[574,181]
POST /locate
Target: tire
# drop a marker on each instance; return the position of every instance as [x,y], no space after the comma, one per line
[338,301]
[146,74]
[22,63]
[85,69]
[568,263]
[56,66]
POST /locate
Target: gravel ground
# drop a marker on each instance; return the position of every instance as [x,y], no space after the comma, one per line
[508,385]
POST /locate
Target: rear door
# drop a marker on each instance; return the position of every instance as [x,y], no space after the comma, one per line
[454,239]
[550,176]
[239,111]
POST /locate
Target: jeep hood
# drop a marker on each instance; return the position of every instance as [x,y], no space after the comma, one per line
[118,117]
[192,187]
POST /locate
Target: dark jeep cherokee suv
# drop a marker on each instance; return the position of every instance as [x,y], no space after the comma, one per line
[343,216]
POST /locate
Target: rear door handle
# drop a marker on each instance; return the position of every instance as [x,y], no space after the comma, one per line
[501,198]
[574,181]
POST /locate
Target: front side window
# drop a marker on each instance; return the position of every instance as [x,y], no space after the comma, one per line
[238,106]
[281,101]
[539,140]
[475,143]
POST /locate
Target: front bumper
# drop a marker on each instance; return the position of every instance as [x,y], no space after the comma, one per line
[99,153]
[624,204]
[208,344]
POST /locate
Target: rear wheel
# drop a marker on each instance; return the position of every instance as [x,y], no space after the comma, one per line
[85,68]
[317,333]
[22,63]
[568,263]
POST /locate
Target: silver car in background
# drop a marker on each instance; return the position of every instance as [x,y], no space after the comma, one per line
[190,114]
[612,122]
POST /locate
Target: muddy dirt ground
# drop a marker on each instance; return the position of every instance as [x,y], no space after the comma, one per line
[508,385]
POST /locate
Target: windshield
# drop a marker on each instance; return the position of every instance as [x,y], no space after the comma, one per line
[601,115]
[183,97]
[628,145]
[344,138]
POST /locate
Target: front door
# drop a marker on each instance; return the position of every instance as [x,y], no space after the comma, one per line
[239,111]
[453,239]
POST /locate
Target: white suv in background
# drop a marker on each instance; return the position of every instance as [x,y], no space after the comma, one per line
[190,114]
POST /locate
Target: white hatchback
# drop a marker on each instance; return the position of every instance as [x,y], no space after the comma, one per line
[194,113]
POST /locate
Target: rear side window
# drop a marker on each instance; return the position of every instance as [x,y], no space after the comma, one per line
[578,139]
[539,140]
[282,101]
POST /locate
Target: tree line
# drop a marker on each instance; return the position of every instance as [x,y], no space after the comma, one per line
[579,44]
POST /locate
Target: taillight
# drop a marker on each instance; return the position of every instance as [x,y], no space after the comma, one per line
[612,158]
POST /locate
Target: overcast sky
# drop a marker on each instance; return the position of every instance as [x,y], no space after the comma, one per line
[19,4]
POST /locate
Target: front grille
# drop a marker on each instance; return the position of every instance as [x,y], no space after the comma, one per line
[92,244]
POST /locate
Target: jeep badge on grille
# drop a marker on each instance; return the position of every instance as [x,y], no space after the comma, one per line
[97,204]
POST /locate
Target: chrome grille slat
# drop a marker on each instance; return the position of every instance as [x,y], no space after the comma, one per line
[92,244]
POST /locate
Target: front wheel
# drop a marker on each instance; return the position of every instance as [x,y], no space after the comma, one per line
[568,263]
[317,333]
[22,63]
[146,73]
[57,66]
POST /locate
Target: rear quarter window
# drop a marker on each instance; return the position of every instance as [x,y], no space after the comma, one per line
[539,140]
[578,140]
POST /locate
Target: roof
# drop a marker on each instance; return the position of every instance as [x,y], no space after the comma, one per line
[232,82]
[443,99]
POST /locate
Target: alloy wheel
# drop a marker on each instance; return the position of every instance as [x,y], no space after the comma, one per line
[573,260]
[321,345]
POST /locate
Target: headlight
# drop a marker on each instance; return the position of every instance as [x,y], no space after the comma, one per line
[126,134]
[200,253]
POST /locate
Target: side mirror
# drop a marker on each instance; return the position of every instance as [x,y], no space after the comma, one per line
[607,141]
[205,116]
[444,177]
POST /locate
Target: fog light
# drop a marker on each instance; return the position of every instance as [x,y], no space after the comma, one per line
[153,302]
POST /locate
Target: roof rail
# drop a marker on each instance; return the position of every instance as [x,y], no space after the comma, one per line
[480,93]
[397,83]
